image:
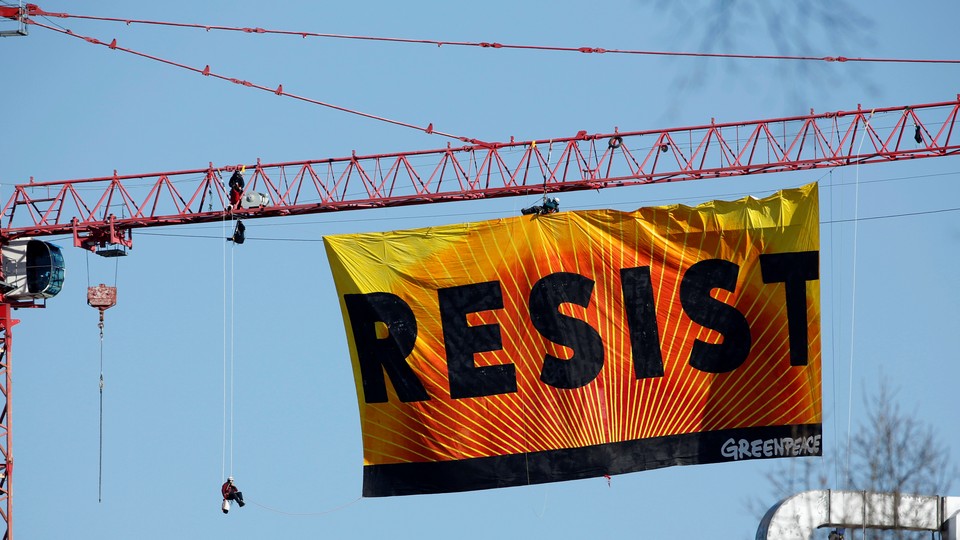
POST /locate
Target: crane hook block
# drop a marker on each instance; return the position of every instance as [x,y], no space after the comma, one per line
[102,297]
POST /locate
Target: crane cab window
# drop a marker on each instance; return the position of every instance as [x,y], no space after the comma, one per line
[44,268]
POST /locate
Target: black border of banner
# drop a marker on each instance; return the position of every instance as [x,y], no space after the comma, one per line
[585,462]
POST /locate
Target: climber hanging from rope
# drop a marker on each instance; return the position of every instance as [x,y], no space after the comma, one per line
[238,233]
[549,206]
[230,493]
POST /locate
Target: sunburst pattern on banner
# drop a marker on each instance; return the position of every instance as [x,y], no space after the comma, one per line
[615,406]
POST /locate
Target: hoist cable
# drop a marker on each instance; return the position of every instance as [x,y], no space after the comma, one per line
[100,468]
[116,271]
[100,326]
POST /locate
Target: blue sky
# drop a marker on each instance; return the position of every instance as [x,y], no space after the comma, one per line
[73,110]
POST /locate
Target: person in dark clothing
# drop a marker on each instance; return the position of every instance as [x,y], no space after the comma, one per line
[550,205]
[230,493]
[236,188]
[238,233]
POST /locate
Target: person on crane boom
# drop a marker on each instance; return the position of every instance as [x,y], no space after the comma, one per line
[230,493]
[549,206]
[236,188]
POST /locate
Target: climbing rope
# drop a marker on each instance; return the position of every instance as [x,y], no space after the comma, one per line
[228,360]
[853,294]
[232,347]
[223,448]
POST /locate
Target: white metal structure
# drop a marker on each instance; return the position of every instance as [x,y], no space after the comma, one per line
[33,269]
[796,517]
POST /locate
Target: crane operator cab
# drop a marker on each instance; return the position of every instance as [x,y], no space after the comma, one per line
[32,269]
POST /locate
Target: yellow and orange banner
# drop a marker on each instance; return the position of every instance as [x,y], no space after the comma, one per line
[576,344]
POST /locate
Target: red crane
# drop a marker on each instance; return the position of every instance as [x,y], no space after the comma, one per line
[101,213]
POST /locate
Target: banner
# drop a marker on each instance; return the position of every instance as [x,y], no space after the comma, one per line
[577,344]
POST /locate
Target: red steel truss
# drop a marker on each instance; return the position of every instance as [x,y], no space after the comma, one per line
[6,431]
[103,211]
[100,211]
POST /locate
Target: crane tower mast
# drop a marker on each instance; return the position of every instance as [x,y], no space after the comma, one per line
[101,213]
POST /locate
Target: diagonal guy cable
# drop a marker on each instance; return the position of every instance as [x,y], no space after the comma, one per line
[278,90]
[34,10]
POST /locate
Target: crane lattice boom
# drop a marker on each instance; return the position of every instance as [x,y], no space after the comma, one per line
[98,211]
[101,212]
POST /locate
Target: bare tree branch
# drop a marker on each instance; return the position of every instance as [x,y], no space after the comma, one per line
[892,452]
[809,28]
